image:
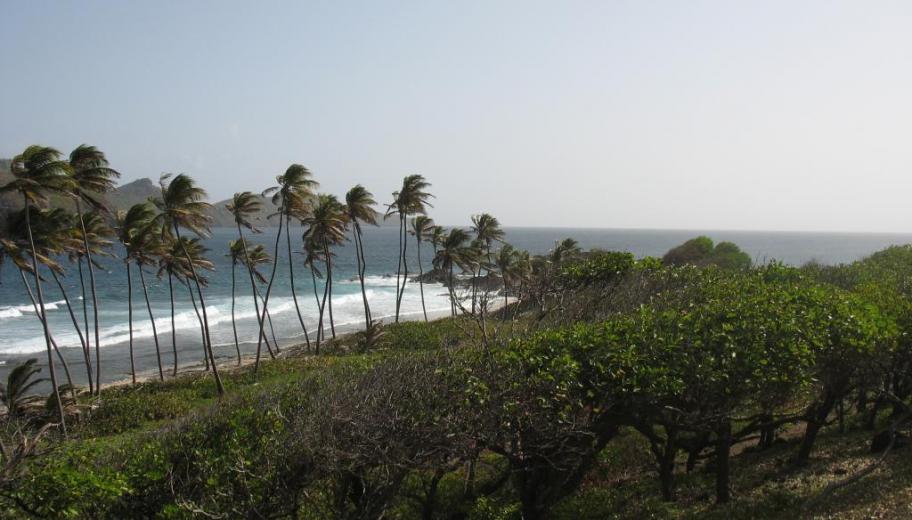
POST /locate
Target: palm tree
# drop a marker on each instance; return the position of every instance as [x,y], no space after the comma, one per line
[326,226]
[438,234]
[359,205]
[452,253]
[507,262]
[14,394]
[487,229]
[258,256]
[312,255]
[36,172]
[184,258]
[139,237]
[411,199]
[181,206]
[564,250]
[292,195]
[422,229]
[52,230]
[92,234]
[236,250]
[92,176]
[243,206]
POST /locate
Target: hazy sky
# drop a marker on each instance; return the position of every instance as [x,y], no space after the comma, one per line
[679,114]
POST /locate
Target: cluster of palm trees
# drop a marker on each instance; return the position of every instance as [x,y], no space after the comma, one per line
[164,235]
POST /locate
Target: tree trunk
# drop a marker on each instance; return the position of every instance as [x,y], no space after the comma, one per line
[816,419]
[44,323]
[82,341]
[253,287]
[158,356]
[294,293]
[667,464]
[329,281]
[262,319]
[218,380]
[199,319]
[399,265]
[359,254]
[130,322]
[173,330]
[723,452]
[325,295]
[85,317]
[268,318]
[63,363]
[420,278]
[88,253]
[237,345]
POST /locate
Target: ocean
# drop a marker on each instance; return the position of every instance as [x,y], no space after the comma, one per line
[21,335]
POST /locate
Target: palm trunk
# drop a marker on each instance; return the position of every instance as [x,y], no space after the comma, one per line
[82,342]
[63,363]
[262,319]
[452,293]
[326,292]
[399,265]
[218,380]
[253,288]
[130,322]
[420,277]
[313,278]
[44,323]
[88,253]
[404,268]
[173,330]
[85,317]
[329,281]
[237,345]
[268,317]
[158,356]
[294,294]
[359,254]
[199,318]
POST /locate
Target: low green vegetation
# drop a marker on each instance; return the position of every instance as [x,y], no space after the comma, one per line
[610,388]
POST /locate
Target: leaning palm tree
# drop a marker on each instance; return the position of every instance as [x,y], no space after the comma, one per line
[14,394]
[507,260]
[438,234]
[182,206]
[453,253]
[237,253]
[93,235]
[422,230]
[258,256]
[52,232]
[291,196]
[359,205]
[184,259]
[326,225]
[38,171]
[411,199]
[92,176]
[243,207]
[136,232]
[487,230]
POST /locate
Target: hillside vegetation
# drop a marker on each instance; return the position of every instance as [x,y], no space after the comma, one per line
[613,388]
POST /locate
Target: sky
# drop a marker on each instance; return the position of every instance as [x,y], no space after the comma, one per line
[766,115]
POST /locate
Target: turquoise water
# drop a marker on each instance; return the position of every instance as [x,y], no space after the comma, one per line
[21,335]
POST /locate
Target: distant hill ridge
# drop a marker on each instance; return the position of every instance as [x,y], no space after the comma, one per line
[135,192]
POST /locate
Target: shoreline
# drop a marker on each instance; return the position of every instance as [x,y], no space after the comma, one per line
[229,364]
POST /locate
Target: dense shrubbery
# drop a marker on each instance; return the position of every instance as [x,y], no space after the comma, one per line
[695,360]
